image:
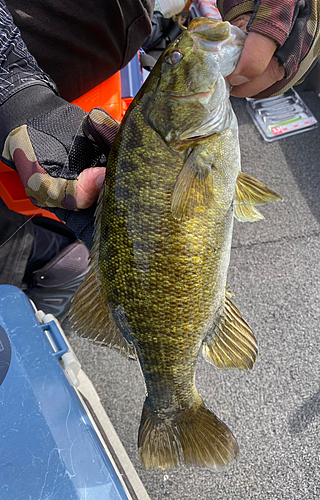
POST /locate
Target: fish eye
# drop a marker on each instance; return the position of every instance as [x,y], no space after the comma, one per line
[174,57]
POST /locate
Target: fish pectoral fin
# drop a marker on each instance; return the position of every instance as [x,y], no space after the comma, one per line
[89,313]
[250,192]
[192,175]
[231,344]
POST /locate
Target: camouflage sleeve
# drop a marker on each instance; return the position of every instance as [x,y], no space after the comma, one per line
[18,68]
[295,27]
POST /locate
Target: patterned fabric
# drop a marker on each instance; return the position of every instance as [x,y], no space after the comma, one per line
[208,8]
[101,128]
[293,24]
[18,68]
[42,189]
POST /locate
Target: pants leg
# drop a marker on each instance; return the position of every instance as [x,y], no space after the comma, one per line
[16,239]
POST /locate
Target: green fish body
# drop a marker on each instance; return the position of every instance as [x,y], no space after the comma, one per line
[157,286]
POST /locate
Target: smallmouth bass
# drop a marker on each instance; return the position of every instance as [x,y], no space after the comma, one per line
[157,286]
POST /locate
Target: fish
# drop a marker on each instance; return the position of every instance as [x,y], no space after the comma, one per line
[156,291]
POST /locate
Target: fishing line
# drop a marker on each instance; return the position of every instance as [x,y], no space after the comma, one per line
[43,205]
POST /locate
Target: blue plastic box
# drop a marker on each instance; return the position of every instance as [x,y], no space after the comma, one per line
[49,445]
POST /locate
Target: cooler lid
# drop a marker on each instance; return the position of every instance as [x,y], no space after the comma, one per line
[49,447]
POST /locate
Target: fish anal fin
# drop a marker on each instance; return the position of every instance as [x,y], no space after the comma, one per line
[89,313]
[193,436]
[193,186]
[231,343]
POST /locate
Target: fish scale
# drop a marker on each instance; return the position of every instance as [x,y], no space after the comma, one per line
[162,245]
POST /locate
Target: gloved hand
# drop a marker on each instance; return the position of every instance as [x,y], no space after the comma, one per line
[282,46]
[42,138]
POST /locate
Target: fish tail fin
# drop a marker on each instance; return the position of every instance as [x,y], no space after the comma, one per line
[193,436]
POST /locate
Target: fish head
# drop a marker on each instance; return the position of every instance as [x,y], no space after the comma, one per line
[190,90]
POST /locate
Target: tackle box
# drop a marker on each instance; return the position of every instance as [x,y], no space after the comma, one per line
[56,441]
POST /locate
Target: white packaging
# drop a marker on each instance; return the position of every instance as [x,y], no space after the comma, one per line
[169,8]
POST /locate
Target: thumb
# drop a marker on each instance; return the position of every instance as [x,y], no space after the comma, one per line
[257,53]
[88,186]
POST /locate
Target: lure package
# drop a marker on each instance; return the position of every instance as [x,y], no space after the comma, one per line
[281,116]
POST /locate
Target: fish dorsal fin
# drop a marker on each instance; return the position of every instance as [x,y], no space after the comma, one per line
[231,344]
[248,193]
[89,314]
[194,173]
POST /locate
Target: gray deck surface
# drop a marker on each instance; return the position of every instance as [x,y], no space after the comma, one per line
[274,411]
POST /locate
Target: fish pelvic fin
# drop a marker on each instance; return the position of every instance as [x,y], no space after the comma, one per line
[231,344]
[196,173]
[248,193]
[193,436]
[89,313]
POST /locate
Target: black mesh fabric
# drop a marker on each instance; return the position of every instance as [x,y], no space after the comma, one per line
[81,222]
[59,143]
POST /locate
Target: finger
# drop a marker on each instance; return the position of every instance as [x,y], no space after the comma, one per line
[257,53]
[88,186]
[242,21]
[271,75]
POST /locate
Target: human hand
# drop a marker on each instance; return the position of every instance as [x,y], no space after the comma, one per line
[58,165]
[257,68]
[286,49]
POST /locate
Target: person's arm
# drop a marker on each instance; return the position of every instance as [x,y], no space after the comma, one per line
[282,46]
[41,134]
[18,68]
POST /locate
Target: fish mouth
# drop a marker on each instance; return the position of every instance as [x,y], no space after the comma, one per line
[220,32]
[222,40]
[203,97]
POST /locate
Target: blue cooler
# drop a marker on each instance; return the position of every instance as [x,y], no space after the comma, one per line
[51,445]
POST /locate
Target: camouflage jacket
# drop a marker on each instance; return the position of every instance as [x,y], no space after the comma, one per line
[294,26]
